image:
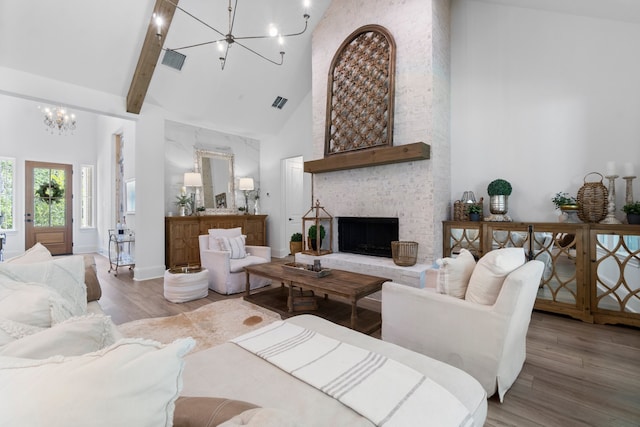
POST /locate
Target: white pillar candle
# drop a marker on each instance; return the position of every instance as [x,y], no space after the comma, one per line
[611,168]
[183,190]
[628,169]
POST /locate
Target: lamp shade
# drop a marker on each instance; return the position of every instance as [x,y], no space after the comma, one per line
[245,184]
[192,179]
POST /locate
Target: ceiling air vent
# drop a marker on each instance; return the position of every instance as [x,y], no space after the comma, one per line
[173,59]
[279,102]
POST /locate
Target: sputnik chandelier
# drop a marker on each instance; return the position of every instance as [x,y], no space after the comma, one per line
[229,40]
[57,118]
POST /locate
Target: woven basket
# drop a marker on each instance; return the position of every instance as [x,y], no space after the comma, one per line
[404,253]
[592,199]
[460,210]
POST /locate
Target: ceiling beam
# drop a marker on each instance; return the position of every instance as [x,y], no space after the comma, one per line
[149,55]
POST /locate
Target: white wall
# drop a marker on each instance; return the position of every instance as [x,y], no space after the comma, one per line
[292,141]
[541,99]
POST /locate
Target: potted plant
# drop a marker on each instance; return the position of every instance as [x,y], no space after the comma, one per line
[633,212]
[499,191]
[474,212]
[564,201]
[183,201]
[313,236]
[201,210]
[295,245]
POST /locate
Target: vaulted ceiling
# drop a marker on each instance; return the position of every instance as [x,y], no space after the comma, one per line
[97,45]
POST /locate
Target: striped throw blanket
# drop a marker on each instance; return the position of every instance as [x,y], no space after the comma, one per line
[386,392]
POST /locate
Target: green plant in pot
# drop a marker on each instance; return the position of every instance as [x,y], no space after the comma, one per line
[313,236]
[183,202]
[564,201]
[295,244]
[633,212]
[499,191]
[474,212]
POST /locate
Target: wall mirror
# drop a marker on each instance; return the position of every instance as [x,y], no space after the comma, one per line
[218,189]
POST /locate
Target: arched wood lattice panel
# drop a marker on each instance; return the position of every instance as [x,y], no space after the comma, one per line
[360,92]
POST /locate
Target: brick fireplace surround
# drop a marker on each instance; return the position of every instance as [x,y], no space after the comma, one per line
[416,192]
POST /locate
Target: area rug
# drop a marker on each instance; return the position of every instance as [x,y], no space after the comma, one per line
[209,325]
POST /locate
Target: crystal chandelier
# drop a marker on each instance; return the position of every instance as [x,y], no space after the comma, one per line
[229,39]
[57,118]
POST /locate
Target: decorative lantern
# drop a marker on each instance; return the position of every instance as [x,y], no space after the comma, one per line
[316,223]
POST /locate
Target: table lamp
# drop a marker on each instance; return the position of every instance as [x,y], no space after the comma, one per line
[246,185]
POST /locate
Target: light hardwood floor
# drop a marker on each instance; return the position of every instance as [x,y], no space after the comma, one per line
[576,374]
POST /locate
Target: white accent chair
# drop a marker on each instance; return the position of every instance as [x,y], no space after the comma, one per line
[226,275]
[486,341]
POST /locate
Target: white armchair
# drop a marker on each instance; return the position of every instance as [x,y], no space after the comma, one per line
[486,341]
[226,274]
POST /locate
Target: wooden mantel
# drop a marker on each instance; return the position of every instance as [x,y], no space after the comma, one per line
[370,157]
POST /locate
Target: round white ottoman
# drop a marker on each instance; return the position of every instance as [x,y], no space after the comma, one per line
[182,284]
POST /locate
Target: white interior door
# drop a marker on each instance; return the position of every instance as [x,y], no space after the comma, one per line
[293,195]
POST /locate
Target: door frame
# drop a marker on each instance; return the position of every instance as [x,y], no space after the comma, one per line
[59,240]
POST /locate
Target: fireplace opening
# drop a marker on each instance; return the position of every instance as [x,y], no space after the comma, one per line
[367,235]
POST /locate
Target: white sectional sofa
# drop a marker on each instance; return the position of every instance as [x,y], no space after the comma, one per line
[137,382]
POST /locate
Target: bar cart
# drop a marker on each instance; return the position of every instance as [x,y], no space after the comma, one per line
[121,247]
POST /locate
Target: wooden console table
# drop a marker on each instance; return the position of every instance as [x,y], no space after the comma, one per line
[181,234]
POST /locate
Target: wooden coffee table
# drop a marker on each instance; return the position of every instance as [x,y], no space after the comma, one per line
[345,284]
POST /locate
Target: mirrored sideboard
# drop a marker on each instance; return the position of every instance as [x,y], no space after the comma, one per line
[181,234]
[592,271]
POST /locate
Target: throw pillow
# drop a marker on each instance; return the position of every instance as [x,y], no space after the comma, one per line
[234,245]
[73,337]
[454,274]
[215,233]
[65,275]
[487,278]
[36,253]
[133,382]
[32,304]
[10,330]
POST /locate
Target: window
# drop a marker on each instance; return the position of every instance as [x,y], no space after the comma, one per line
[87,209]
[7,174]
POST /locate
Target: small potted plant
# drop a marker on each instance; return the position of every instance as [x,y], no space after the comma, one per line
[201,210]
[295,245]
[182,202]
[633,212]
[313,236]
[474,212]
[565,201]
[499,191]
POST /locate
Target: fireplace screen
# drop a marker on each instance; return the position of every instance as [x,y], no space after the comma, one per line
[367,236]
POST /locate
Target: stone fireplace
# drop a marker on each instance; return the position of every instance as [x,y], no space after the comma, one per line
[417,193]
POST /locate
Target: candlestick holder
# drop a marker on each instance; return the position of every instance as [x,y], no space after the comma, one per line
[629,195]
[611,202]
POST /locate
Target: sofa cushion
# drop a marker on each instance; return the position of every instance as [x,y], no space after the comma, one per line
[233,245]
[32,304]
[94,291]
[207,411]
[238,265]
[73,337]
[65,275]
[133,382]
[263,417]
[454,274]
[36,253]
[487,278]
